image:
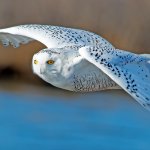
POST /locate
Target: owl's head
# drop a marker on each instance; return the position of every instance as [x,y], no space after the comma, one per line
[47,64]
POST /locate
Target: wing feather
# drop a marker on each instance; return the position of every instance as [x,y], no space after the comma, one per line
[50,36]
[14,40]
[130,71]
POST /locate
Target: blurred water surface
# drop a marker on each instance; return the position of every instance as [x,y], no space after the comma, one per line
[47,118]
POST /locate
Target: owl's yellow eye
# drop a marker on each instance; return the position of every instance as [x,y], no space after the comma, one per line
[35,62]
[50,62]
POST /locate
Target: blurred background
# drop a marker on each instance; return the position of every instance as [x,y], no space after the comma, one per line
[35,115]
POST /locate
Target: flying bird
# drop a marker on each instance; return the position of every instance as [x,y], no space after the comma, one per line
[82,61]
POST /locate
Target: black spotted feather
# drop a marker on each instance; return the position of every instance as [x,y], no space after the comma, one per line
[130,71]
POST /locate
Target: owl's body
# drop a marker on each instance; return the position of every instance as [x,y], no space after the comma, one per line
[72,72]
[83,61]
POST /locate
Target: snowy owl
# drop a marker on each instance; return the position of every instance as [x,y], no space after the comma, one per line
[82,61]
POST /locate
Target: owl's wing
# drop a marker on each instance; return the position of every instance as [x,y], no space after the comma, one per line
[15,40]
[50,36]
[130,71]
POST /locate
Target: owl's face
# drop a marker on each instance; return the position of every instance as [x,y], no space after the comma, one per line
[46,64]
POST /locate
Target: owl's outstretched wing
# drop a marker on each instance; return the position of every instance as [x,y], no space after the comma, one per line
[130,71]
[50,36]
[15,40]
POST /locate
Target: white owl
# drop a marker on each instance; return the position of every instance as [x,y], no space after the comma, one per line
[79,60]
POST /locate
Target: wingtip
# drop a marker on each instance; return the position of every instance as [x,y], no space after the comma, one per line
[146,106]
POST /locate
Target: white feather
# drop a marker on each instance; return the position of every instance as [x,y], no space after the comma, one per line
[51,36]
[128,70]
[14,40]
